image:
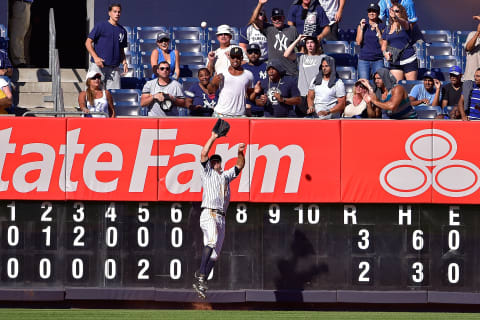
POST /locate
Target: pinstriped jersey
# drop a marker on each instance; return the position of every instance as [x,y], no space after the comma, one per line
[216,187]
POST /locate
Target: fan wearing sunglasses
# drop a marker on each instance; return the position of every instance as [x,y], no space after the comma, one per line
[409,6]
[95,98]
[163,95]
[163,53]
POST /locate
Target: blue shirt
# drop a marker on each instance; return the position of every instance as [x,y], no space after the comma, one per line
[419,92]
[287,87]
[208,102]
[161,58]
[408,4]
[399,40]
[370,49]
[259,73]
[316,20]
[475,103]
[109,42]
[4,60]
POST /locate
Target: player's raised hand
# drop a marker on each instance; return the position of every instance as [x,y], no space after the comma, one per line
[262,1]
[211,55]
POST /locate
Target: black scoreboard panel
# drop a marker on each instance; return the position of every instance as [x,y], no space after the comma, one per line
[267,246]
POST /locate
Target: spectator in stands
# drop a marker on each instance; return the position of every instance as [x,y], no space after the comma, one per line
[472,47]
[6,96]
[426,93]
[19,36]
[163,95]
[95,98]
[309,18]
[259,70]
[252,34]
[6,70]
[198,100]
[163,53]
[110,40]
[369,38]
[334,11]
[236,84]
[397,45]
[389,96]
[409,6]
[279,93]
[309,61]
[218,60]
[279,37]
[356,106]
[452,91]
[469,103]
[326,94]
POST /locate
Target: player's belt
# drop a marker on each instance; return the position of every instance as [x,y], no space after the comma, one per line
[218,212]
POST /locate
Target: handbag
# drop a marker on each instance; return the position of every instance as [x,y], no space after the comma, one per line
[395,53]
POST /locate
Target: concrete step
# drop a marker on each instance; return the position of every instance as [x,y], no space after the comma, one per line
[46,87]
[42,75]
[29,100]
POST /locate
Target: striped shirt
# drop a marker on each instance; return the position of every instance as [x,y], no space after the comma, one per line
[475,103]
[216,187]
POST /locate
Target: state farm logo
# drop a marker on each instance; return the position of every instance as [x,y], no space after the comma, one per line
[435,149]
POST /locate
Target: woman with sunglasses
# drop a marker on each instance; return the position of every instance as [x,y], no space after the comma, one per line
[369,38]
[163,53]
[309,60]
[252,34]
[199,101]
[397,44]
[94,98]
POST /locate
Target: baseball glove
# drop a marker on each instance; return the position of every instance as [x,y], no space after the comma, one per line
[221,128]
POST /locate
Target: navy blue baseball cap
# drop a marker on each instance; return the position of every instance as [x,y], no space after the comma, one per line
[373,7]
[455,70]
[277,12]
[253,47]
[216,157]
[429,74]
[236,52]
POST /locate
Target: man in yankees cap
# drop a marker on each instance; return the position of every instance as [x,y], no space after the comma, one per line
[215,200]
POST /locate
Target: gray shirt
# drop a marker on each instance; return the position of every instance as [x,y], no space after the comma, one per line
[173,88]
[308,68]
[278,41]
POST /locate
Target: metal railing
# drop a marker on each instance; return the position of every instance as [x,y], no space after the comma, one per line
[54,67]
[63,113]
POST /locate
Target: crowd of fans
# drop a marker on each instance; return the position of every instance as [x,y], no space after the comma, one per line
[279,68]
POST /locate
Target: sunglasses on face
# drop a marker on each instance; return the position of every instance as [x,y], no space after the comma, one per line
[164,68]
[396,10]
[236,57]
[372,11]
[253,51]
[164,40]
[97,77]
[277,18]
[224,34]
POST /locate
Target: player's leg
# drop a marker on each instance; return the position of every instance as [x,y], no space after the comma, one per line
[218,248]
[210,235]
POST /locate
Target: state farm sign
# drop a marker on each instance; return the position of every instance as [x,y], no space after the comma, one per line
[136,159]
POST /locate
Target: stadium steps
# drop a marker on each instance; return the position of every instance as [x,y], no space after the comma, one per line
[33,84]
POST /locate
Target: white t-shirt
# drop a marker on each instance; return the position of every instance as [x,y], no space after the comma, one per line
[351,109]
[473,58]
[325,97]
[222,61]
[99,105]
[232,97]
[331,8]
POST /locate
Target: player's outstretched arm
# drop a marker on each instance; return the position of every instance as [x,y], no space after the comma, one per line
[207,147]
[241,157]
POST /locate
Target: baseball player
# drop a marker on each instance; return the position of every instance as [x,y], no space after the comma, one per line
[215,200]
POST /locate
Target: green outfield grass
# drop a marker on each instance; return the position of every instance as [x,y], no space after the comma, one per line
[104,314]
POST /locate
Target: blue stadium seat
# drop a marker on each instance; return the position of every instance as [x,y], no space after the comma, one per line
[439,49]
[211,34]
[437,36]
[144,57]
[428,112]
[443,61]
[146,45]
[188,33]
[187,82]
[344,59]
[354,48]
[131,57]
[443,74]
[422,58]
[347,73]
[149,32]
[126,102]
[190,45]
[189,70]
[198,58]
[132,83]
[144,71]
[349,84]
[336,47]
[213,45]
[130,37]
[459,39]
[347,35]
[409,84]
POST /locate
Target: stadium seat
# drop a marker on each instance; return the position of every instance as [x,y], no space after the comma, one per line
[130,37]
[428,112]
[187,82]
[132,83]
[131,58]
[347,35]
[144,71]
[213,45]
[144,57]
[459,39]
[336,47]
[443,74]
[146,45]
[3,31]
[422,58]
[190,45]
[439,49]
[198,58]
[430,36]
[347,73]
[211,34]
[189,70]
[443,61]
[344,59]
[126,102]
[188,33]
[409,84]
[149,32]
[349,84]
[354,48]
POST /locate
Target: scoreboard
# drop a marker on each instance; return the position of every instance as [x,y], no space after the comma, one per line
[268,247]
